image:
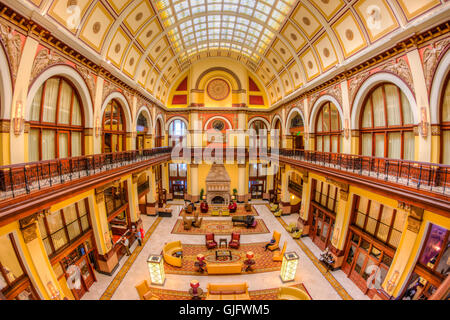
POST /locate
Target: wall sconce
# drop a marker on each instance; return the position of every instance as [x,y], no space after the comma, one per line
[289,266]
[97,126]
[54,293]
[156,269]
[18,118]
[423,126]
[347,128]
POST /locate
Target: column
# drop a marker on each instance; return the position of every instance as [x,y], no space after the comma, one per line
[36,249]
[398,272]
[195,195]
[107,256]
[165,180]
[341,224]
[242,195]
[133,199]
[98,116]
[306,198]
[151,195]
[285,196]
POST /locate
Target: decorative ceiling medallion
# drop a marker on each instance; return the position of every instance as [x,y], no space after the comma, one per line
[218,89]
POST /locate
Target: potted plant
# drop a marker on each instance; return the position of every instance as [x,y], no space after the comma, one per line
[202,191]
[234,192]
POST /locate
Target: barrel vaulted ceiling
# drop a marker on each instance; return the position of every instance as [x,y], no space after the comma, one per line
[286,43]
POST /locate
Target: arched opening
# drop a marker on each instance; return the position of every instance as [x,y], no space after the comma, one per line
[328,129]
[218,200]
[386,124]
[297,130]
[56,122]
[177,132]
[445,123]
[277,134]
[142,127]
[114,128]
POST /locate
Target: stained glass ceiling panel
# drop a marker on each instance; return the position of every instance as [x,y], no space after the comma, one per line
[243,26]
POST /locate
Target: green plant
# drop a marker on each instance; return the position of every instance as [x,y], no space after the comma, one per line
[201,193]
[234,191]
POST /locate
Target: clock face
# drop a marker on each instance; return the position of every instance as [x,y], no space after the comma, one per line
[218,89]
[218,125]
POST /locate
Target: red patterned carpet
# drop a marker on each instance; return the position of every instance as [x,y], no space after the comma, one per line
[220,227]
[240,211]
[263,259]
[266,294]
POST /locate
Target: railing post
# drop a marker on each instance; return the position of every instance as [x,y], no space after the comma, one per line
[50,174]
[27,187]
[60,171]
[420,177]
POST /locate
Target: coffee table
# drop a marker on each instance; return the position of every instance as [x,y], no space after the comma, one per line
[223,254]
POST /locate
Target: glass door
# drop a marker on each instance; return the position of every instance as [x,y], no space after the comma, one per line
[322,225]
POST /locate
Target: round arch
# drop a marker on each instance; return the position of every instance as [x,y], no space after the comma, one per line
[291,114]
[274,120]
[437,87]
[205,127]
[124,104]
[77,81]
[316,108]
[159,119]
[371,82]
[148,116]
[5,86]
[169,121]
[226,70]
[260,119]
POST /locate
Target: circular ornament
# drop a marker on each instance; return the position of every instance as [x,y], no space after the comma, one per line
[218,89]
[218,125]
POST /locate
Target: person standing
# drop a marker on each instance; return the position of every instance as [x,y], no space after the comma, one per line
[142,233]
[126,244]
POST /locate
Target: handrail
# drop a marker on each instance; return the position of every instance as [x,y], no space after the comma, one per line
[431,177]
[23,178]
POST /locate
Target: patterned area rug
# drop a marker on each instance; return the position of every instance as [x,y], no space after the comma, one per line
[220,227]
[266,294]
[240,211]
[263,259]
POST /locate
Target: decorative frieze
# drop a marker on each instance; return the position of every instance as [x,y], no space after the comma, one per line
[431,58]
[89,78]
[436,130]
[13,44]
[356,82]
[415,216]
[28,227]
[401,69]
[44,59]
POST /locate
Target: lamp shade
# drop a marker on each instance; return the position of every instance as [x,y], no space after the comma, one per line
[156,269]
[289,266]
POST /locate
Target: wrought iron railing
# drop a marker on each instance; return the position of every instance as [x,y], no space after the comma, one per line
[421,175]
[19,179]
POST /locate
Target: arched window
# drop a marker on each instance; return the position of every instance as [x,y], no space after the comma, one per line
[158,134]
[114,128]
[387,124]
[279,133]
[445,123]
[56,122]
[141,130]
[328,129]
[297,128]
[258,125]
[177,130]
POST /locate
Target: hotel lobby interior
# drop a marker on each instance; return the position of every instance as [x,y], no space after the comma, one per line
[224,150]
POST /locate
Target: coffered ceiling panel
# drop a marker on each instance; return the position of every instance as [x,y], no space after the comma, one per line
[117,47]
[306,21]
[139,16]
[350,35]
[96,26]
[326,52]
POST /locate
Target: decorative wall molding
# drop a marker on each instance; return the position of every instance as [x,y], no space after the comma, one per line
[13,44]
[44,59]
[430,59]
[401,68]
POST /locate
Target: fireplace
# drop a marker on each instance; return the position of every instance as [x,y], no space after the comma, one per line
[218,185]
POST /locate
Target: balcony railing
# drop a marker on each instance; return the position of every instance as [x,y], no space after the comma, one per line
[424,176]
[19,179]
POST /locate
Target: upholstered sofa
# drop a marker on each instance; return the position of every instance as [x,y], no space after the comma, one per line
[144,291]
[278,255]
[227,291]
[291,293]
[168,251]
[224,268]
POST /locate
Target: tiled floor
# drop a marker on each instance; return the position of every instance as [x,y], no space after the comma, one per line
[307,273]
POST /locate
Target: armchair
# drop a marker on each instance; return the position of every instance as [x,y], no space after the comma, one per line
[210,242]
[189,208]
[197,221]
[187,223]
[204,207]
[144,291]
[275,246]
[297,234]
[232,207]
[278,256]
[235,240]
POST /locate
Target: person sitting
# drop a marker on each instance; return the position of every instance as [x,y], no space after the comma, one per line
[232,207]
[204,207]
[271,242]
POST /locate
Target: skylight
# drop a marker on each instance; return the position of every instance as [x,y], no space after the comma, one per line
[243,26]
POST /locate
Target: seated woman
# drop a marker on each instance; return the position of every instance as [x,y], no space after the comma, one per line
[271,242]
[232,207]
[204,207]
